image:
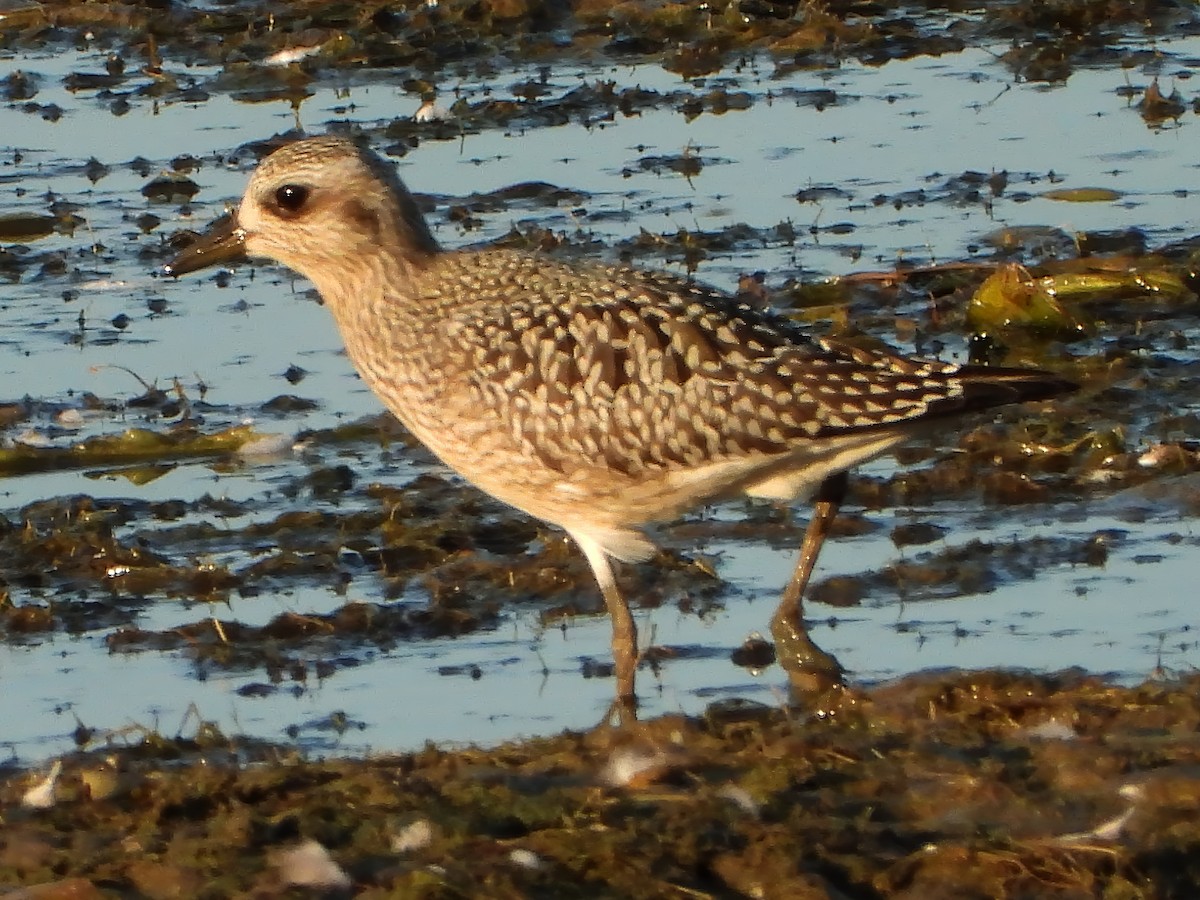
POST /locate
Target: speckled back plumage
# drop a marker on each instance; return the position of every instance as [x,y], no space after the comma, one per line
[597,398]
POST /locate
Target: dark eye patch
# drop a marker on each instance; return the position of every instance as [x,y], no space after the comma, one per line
[291,198]
[364,218]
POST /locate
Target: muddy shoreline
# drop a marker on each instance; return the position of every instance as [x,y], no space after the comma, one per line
[991,783]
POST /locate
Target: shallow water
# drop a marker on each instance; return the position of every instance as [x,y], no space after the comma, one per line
[895,130]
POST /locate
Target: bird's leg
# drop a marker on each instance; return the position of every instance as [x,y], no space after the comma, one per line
[624,639]
[825,507]
[809,667]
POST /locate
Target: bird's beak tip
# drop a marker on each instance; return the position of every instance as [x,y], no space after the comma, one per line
[224,241]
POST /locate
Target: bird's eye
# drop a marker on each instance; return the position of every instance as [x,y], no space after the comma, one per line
[291,197]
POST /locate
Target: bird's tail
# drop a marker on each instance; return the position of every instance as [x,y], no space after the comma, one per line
[986,386]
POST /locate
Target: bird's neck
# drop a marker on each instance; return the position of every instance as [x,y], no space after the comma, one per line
[359,286]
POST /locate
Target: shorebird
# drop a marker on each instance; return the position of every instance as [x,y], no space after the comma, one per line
[597,398]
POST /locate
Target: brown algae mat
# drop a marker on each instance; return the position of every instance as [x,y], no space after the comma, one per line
[957,785]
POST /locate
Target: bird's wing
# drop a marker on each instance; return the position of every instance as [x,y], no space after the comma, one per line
[640,372]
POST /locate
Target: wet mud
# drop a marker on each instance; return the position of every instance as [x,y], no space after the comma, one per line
[973,784]
[947,785]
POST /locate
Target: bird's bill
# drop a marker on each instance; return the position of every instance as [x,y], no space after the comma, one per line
[223,242]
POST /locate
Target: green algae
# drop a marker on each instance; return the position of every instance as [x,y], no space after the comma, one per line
[134,445]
